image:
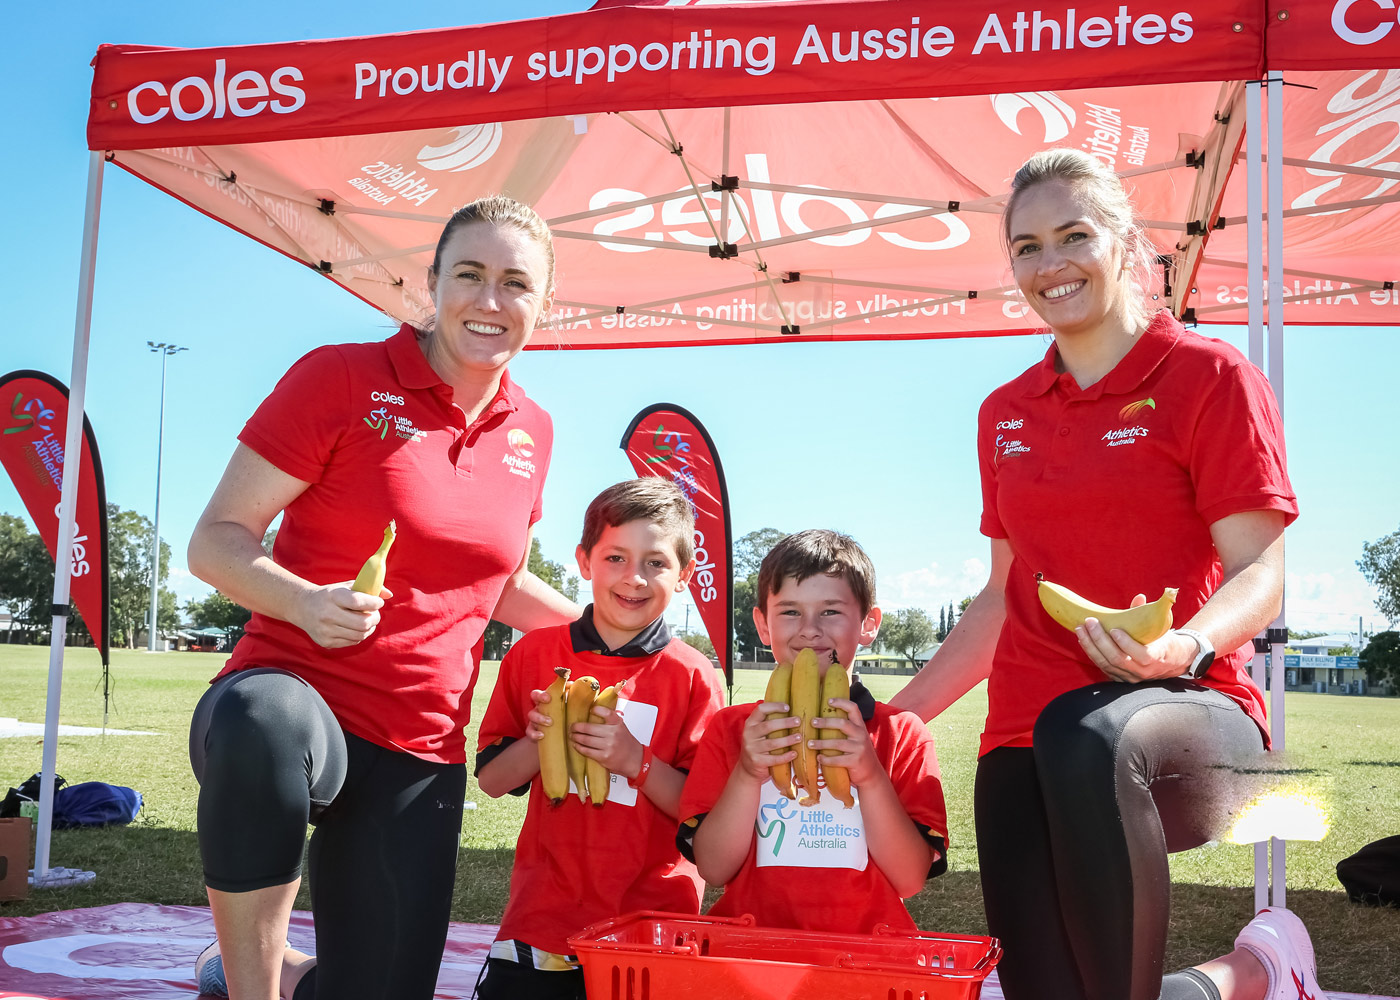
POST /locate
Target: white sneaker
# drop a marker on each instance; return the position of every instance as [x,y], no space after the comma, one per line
[1280,941]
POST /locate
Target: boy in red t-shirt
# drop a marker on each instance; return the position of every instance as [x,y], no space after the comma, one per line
[823,867]
[576,863]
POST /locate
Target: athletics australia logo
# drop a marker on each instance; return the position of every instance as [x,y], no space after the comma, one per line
[1129,435]
[772,824]
[522,446]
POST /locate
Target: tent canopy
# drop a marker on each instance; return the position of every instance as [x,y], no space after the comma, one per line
[759,172]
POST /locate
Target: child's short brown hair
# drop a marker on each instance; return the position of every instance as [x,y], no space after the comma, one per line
[814,551]
[659,501]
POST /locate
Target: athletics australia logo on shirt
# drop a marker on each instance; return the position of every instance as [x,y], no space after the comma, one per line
[522,446]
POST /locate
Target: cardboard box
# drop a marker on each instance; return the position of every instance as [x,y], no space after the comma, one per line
[15,836]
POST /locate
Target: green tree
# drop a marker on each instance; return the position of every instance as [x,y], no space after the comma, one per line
[1380,565]
[1381,659]
[699,641]
[749,553]
[129,561]
[750,550]
[553,573]
[217,611]
[909,632]
[745,632]
[942,625]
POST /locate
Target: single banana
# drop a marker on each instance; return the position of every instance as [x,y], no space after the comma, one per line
[806,705]
[597,775]
[370,579]
[780,690]
[838,780]
[579,703]
[1144,623]
[554,766]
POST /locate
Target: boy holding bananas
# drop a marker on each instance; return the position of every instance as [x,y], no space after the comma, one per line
[816,591]
[599,840]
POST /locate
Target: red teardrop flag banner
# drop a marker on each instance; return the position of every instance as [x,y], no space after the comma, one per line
[33,416]
[666,440]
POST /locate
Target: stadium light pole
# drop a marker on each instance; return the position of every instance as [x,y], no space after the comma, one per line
[164,350]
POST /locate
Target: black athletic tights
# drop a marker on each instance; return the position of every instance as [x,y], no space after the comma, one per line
[1073,835]
[270,757]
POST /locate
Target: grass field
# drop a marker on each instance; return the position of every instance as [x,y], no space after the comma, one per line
[1347,747]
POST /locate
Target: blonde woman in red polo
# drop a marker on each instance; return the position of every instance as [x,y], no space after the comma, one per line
[1136,456]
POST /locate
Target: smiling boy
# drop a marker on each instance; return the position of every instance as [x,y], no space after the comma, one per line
[576,863]
[816,590]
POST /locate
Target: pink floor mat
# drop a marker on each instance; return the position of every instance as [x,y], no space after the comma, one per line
[134,951]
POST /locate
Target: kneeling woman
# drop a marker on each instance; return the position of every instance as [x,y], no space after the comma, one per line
[1136,456]
[347,709]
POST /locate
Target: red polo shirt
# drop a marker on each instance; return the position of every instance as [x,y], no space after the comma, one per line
[1111,491]
[375,432]
[576,864]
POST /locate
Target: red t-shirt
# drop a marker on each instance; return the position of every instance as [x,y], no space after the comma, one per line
[374,430]
[576,864]
[1111,491]
[819,850]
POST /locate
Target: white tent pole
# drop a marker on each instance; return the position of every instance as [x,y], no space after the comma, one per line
[1275,372]
[68,504]
[1254,255]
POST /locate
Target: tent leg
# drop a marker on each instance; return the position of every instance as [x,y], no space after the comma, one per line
[1255,260]
[68,503]
[1279,871]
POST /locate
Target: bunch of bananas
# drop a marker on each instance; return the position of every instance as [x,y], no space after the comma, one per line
[1145,623]
[370,579]
[560,761]
[801,686]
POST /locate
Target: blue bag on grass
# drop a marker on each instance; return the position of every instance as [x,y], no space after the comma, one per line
[94,803]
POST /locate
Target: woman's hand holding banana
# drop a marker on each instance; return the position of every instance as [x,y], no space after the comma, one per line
[1123,658]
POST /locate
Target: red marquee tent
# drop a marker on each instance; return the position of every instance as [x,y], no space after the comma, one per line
[735,173]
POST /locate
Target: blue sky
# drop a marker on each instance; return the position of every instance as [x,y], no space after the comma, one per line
[874,439]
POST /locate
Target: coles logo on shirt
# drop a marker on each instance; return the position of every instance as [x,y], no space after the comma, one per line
[522,446]
[826,835]
[1008,441]
[1129,435]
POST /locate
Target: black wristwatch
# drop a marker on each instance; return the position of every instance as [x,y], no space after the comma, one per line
[1205,654]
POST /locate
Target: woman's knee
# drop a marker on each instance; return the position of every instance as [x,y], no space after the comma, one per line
[1075,737]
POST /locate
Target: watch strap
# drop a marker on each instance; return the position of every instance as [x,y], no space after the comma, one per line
[1205,654]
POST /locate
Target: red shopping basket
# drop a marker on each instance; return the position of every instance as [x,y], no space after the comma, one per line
[668,956]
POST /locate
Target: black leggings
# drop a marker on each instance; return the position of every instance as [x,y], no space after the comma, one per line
[270,757]
[1073,834]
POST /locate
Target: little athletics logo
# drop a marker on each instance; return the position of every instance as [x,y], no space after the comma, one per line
[383,421]
[826,835]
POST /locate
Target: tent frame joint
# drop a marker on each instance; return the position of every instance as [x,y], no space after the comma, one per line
[790,329]
[1195,158]
[790,276]
[326,206]
[723,251]
[726,182]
